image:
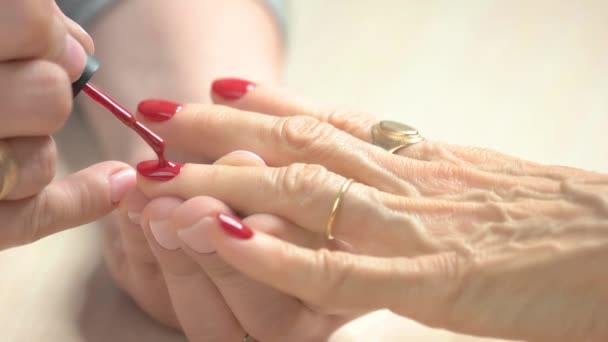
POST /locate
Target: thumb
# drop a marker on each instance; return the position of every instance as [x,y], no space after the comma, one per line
[78,199]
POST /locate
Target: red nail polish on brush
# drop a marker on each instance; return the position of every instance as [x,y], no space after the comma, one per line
[158,110]
[231,89]
[161,169]
[234,226]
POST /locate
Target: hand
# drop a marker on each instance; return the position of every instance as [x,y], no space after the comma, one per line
[199,293]
[459,238]
[41,52]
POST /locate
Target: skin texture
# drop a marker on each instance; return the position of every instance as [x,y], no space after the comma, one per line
[41,51]
[214,37]
[460,238]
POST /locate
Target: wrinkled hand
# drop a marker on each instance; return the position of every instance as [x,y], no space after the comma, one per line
[41,52]
[460,238]
[196,291]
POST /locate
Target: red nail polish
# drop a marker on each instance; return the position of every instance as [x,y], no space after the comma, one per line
[121,113]
[232,89]
[234,227]
[158,110]
[158,171]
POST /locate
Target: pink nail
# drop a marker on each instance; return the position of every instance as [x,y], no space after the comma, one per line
[121,183]
[164,235]
[74,57]
[196,236]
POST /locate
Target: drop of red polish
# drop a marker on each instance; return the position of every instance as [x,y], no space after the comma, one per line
[161,169]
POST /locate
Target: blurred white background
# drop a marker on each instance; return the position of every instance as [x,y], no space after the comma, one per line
[526,77]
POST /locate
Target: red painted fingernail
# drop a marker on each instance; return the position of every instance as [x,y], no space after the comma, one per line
[232,89]
[158,110]
[154,170]
[234,227]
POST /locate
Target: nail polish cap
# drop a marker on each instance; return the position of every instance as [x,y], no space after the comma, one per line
[87,74]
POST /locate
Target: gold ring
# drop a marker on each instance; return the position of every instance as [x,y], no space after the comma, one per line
[334,209]
[392,135]
[246,338]
[8,171]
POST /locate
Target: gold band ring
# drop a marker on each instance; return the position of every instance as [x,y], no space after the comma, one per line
[8,171]
[392,135]
[334,209]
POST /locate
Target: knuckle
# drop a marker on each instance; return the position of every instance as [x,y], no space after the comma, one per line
[208,116]
[34,29]
[302,179]
[50,87]
[304,134]
[355,123]
[332,271]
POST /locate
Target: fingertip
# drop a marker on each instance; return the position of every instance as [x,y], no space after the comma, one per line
[156,222]
[76,30]
[160,208]
[227,90]
[133,205]
[121,183]
[241,158]
[74,58]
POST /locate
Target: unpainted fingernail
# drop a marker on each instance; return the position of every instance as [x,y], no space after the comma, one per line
[134,217]
[164,235]
[248,154]
[197,235]
[74,57]
[121,183]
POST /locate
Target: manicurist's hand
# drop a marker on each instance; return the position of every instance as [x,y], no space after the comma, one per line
[41,53]
[460,238]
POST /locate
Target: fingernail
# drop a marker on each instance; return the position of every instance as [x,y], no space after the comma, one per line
[134,202]
[74,57]
[231,89]
[164,235]
[196,236]
[248,154]
[154,170]
[134,217]
[121,183]
[158,110]
[234,227]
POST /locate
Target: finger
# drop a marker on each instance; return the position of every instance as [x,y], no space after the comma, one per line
[76,31]
[301,193]
[202,312]
[279,102]
[136,270]
[279,141]
[75,200]
[249,299]
[26,29]
[37,98]
[241,158]
[32,29]
[35,160]
[261,98]
[342,281]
